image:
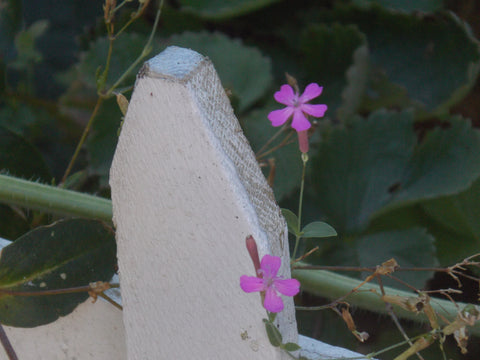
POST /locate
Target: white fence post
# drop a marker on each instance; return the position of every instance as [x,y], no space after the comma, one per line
[186,191]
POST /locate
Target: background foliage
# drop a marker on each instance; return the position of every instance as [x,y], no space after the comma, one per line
[395,164]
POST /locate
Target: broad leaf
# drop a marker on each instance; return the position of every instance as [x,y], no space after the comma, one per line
[63,255]
[457,224]
[377,165]
[410,248]
[127,47]
[444,163]
[433,56]
[405,5]
[103,140]
[336,57]
[318,229]
[242,69]
[20,158]
[215,9]
[356,167]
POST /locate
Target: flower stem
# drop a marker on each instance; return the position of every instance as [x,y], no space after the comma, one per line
[102,96]
[300,205]
[86,131]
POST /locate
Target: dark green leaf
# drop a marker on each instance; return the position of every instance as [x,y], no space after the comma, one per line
[355,168]
[273,333]
[376,165]
[102,142]
[218,9]
[405,5]
[63,255]
[20,158]
[10,24]
[290,347]
[127,48]
[433,56]
[318,229]
[445,163]
[410,248]
[292,221]
[27,54]
[457,224]
[336,57]
[242,69]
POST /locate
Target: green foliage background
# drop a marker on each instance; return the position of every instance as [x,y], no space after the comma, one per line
[395,166]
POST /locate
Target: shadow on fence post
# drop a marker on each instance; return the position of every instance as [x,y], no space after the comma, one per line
[186,191]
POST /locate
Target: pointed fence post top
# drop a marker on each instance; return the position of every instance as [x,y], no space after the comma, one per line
[174,62]
[186,191]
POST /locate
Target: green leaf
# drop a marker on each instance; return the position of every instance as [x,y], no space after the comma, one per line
[415,52]
[27,54]
[336,57]
[290,347]
[456,224]
[242,69]
[10,24]
[377,165]
[20,158]
[126,50]
[410,248]
[318,229]
[405,5]
[102,142]
[65,254]
[218,9]
[292,221]
[355,168]
[445,163]
[273,333]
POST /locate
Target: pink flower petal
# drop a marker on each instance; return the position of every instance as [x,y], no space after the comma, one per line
[251,283]
[285,96]
[279,117]
[273,302]
[311,92]
[314,110]
[300,122]
[288,287]
[270,266]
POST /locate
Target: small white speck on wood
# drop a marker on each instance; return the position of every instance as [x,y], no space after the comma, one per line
[186,191]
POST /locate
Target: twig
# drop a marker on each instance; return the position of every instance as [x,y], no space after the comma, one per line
[7,345]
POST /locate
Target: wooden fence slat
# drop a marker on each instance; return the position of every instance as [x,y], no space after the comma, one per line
[186,191]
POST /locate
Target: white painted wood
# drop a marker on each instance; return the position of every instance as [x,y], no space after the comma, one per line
[186,191]
[92,331]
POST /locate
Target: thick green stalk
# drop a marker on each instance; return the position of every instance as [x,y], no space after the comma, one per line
[53,199]
[333,286]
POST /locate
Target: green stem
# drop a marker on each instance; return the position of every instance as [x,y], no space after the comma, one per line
[107,94]
[86,131]
[333,286]
[51,199]
[300,205]
[146,50]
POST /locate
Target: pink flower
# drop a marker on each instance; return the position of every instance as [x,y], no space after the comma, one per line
[297,106]
[270,283]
